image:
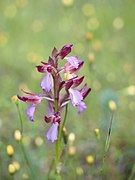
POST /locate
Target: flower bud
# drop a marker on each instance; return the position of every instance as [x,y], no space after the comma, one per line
[54,53]
[64,131]
[91,57]
[64,51]
[67,2]
[17,135]
[112,105]
[15,99]
[38,141]
[71,137]
[25,176]
[16,165]
[11,169]
[97,133]
[131,90]
[90,159]
[58,168]
[79,171]
[72,150]
[89,36]
[10,150]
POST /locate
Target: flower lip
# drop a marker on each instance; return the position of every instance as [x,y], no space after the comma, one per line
[46,83]
[76,97]
[52,133]
[30,112]
[81,107]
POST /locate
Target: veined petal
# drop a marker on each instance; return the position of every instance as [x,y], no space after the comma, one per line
[30,99]
[71,69]
[81,107]
[30,112]
[52,132]
[74,61]
[76,97]
[46,82]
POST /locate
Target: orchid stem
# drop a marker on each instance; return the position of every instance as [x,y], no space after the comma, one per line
[64,121]
[22,146]
[57,144]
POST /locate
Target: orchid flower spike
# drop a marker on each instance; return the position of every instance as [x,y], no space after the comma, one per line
[52,84]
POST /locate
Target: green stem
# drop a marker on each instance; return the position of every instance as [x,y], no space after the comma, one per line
[132,173]
[64,121]
[50,169]
[107,143]
[22,146]
[57,145]
[12,177]
[57,150]
[20,117]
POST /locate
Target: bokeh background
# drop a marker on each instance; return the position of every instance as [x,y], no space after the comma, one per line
[102,34]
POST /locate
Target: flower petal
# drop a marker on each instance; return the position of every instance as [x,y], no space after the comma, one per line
[81,107]
[74,61]
[77,81]
[52,132]
[41,69]
[71,69]
[76,97]
[30,99]
[30,112]
[85,94]
[46,82]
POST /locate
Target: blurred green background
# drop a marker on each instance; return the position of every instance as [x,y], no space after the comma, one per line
[102,34]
